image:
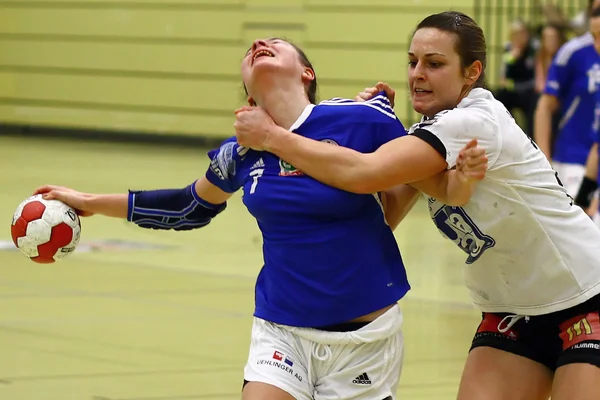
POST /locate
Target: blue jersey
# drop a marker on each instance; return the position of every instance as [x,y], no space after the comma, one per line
[573,78]
[329,255]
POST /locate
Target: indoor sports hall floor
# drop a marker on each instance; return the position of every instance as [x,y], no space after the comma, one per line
[146,315]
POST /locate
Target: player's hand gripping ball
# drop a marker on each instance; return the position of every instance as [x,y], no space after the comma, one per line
[45,230]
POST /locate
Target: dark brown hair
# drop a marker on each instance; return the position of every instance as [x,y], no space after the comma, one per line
[470,41]
[311,90]
[542,56]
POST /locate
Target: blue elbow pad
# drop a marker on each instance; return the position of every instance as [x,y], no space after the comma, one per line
[177,209]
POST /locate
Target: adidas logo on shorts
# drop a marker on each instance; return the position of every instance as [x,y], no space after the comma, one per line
[362,379]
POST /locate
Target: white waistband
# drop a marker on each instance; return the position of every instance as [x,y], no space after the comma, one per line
[386,325]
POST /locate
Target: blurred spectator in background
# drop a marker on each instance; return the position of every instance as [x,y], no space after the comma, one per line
[552,37]
[517,83]
[578,25]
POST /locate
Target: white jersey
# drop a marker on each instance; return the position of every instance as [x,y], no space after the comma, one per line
[530,251]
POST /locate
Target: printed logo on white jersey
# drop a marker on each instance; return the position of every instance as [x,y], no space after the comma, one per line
[456,225]
[258,164]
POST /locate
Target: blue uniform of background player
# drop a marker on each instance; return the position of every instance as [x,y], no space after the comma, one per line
[571,86]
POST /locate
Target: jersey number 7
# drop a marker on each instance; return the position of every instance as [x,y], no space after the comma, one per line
[255,174]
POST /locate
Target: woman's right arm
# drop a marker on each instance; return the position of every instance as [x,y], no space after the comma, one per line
[454,187]
[179,209]
[397,203]
[116,205]
[87,204]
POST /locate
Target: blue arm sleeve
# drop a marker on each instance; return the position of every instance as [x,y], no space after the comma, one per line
[177,209]
[224,163]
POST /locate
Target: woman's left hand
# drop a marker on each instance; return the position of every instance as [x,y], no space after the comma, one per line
[472,162]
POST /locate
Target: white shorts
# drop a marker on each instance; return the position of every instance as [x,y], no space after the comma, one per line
[571,176]
[311,364]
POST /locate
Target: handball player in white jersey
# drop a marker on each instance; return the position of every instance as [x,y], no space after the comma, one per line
[532,257]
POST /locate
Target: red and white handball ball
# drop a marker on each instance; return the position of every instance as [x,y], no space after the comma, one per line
[45,230]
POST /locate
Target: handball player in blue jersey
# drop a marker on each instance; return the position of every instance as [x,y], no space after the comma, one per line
[587,197]
[571,86]
[326,320]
